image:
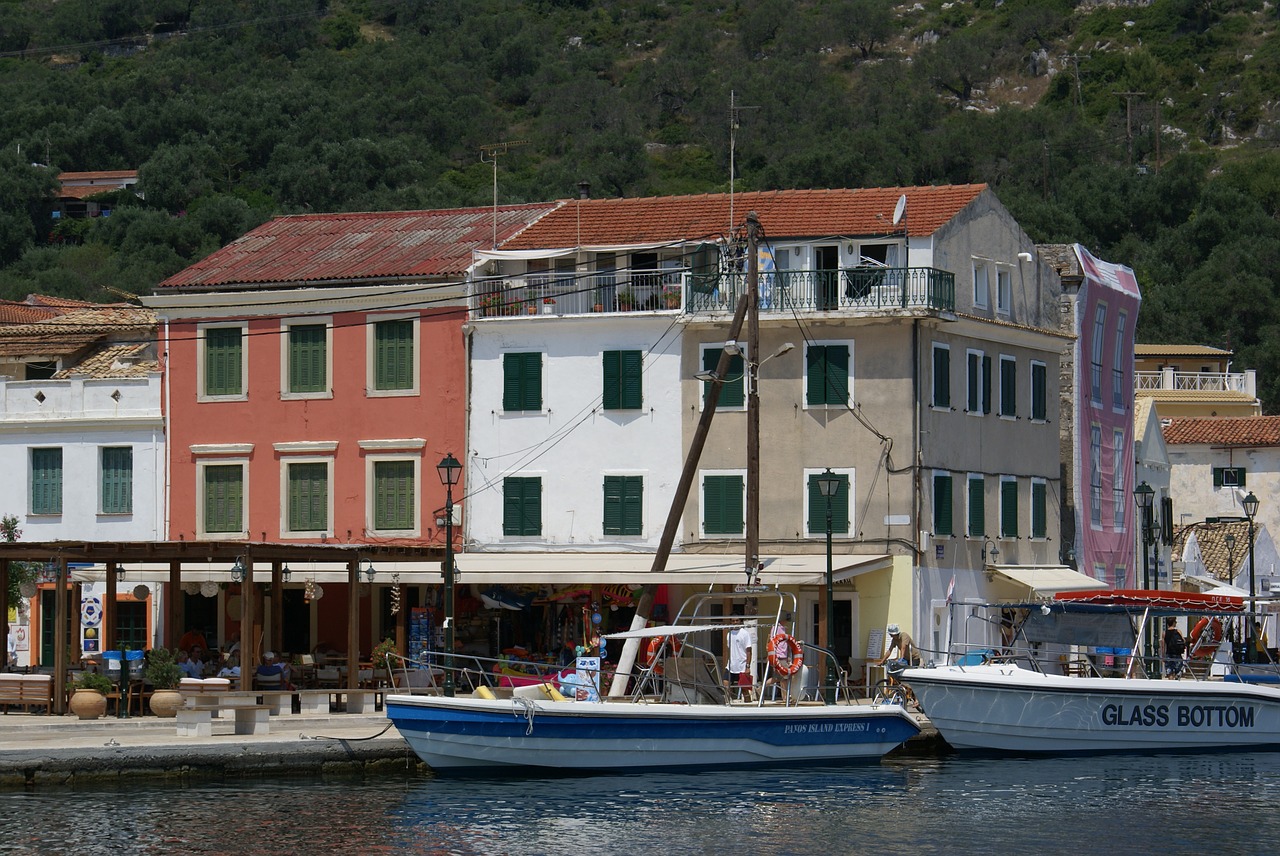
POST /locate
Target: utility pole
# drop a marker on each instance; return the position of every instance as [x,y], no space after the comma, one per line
[493,150]
[735,122]
[753,397]
[1128,119]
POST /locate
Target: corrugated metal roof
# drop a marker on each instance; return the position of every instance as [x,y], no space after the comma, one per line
[315,248]
[1224,431]
[783,214]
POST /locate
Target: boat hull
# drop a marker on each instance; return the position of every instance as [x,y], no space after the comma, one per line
[484,735]
[1003,708]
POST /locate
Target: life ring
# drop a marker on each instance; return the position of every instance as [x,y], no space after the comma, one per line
[651,651]
[785,656]
[1200,642]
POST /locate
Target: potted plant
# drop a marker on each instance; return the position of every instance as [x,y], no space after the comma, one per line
[383,661]
[164,674]
[548,304]
[671,297]
[489,304]
[626,300]
[90,698]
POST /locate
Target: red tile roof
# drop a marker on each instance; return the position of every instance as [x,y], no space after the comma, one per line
[1244,431]
[783,214]
[69,332]
[99,175]
[37,307]
[314,248]
[81,185]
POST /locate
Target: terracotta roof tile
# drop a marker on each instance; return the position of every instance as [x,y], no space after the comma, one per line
[1244,431]
[75,330]
[123,359]
[783,214]
[1212,539]
[1229,396]
[99,175]
[316,248]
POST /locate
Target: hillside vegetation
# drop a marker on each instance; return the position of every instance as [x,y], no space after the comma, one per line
[1145,131]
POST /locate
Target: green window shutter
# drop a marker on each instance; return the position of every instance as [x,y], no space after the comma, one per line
[307,363]
[1039,392]
[522,381]
[986,384]
[941,377]
[46,481]
[224,498]
[222,360]
[973,364]
[393,495]
[623,505]
[942,522]
[977,508]
[839,507]
[308,497]
[1008,388]
[117,480]
[722,502]
[827,367]
[522,506]
[731,391]
[1009,509]
[1039,520]
[393,359]
[622,380]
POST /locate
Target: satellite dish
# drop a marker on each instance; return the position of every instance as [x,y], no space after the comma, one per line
[900,209]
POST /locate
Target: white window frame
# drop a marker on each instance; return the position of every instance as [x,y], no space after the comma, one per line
[306,321]
[201,345]
[1004,290]
[804,368]
[285,462]
[371,341]
[809,472]
[370,500]
[201,464]
[981,283]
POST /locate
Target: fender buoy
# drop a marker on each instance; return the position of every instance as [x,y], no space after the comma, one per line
[651,651]
[785,656]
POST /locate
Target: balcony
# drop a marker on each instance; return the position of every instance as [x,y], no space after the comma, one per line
[1169,379]
[864,289]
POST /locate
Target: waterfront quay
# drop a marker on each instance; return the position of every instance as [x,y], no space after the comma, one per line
[50,750]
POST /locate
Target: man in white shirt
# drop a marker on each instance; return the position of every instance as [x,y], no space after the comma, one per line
[741,645]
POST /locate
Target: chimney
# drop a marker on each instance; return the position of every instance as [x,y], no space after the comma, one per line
[584,189]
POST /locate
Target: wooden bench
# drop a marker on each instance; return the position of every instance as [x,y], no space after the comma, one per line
[197,720]
[26,691]
[357,701]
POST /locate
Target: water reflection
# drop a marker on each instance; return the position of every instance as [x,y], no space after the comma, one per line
[954,805]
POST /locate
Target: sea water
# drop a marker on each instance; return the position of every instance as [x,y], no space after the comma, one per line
[1122,804]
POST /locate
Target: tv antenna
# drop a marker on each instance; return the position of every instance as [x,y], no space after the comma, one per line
[489,153]
[735,121]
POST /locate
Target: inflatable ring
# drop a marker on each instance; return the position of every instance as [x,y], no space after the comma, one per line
[655,645]
[1200,641]
[785,656]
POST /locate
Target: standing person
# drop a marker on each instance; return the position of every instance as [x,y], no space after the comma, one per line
[1172,648]
[901,652]
[741,644]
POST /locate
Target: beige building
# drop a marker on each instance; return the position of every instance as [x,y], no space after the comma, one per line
[1194,381]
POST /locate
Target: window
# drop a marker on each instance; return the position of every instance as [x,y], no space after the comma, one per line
[1099,335]
[827,375]
[731,390]
[522,505]
[977,506]
[978,373]
[1008,507]
[223,361]
[307,496]
[1228,476]
[942,523]
[224,498]
[941,376]
[818,506]
[1008,387]
[1004,291]
[395,495]
[723,502]
[522,381]
[981,285]
[622,384]
[1119,394]
[1039,515]
[117,480]
[1121,577]
[1039,392]
[46,481]
[1095,475]
[394,364]
[1117,487]
[308,363]
[623,505]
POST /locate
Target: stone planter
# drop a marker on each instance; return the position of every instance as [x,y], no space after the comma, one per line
[165,703]
[88,704]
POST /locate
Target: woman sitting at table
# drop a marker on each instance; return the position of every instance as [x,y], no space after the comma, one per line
[231,669]
[189,668]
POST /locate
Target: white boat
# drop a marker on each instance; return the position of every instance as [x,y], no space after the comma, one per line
[680,727]
[1012,701]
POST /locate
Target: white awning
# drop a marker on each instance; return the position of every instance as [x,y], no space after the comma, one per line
[555,252]
[537,568]
[1047,579]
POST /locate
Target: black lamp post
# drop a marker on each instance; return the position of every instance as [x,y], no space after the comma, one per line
[449,470]
[1250,504]
[1144,495]
[829,485]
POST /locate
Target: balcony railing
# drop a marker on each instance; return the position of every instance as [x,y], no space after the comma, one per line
[852,289]
[1193,381]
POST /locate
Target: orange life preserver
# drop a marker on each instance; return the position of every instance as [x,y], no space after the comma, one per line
[1199,642]
[651,651]
[785,656]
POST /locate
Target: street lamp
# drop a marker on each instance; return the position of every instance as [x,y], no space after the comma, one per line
[1250,504]
[449,470]
[1144,495]
[829,486]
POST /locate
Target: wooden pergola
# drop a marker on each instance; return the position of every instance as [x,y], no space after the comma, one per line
[57,555]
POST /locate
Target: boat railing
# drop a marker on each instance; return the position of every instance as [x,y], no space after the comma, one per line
[424,674]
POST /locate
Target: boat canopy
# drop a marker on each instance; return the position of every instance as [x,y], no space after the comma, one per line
[1158,601]
[675,630]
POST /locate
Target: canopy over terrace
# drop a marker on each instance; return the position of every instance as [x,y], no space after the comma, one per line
[197,557]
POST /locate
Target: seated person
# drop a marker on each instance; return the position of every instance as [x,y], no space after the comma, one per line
[189,669]
[231,669]
[271,668]
[197,660]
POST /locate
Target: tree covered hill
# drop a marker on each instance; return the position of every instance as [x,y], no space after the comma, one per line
[1145,130]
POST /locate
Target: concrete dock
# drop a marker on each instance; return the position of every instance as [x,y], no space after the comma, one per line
[50,750]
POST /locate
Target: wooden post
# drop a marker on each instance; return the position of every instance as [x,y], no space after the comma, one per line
[174,602]
[277,608]
[250,650]
[60,637]
[353,623]
[4,615]
[107,636]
